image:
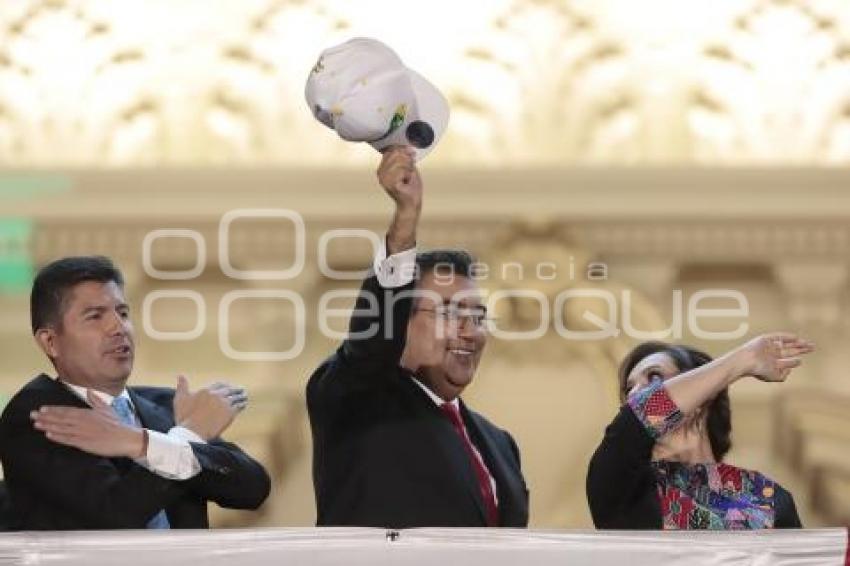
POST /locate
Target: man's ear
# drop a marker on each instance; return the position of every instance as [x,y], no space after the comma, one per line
[46,339]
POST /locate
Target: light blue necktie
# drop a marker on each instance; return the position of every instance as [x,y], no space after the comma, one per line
[122,408]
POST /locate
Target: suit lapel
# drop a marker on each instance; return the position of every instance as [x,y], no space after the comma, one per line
[151,415]
[491,450]
[63,392]
[450,445]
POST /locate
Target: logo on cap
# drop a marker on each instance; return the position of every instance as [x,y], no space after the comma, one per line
[396,121]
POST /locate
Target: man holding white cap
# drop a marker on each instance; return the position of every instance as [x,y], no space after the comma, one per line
[393,444]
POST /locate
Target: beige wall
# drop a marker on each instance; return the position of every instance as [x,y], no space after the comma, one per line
[785,254]
[530,82]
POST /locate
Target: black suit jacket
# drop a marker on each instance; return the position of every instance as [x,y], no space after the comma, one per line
[384,455]
[57,487]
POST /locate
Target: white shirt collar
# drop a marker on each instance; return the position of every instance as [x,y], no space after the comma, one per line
[437,400]
[82,393]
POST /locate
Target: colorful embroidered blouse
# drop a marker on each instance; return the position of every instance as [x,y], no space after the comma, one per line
[701,496]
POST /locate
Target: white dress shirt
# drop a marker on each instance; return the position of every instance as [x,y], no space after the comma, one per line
[168,455]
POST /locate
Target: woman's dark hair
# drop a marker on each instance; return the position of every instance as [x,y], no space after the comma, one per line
[719,420]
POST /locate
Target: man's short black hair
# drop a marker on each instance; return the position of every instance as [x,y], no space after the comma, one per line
[54,280]
[443,262]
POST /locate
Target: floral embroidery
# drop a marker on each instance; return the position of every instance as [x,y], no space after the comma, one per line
[701,496]
[713,496]
[655,409]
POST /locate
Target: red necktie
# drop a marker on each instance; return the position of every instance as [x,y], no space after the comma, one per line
[487,495]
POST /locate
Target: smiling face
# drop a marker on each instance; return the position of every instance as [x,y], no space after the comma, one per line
[93,346]
[446,334]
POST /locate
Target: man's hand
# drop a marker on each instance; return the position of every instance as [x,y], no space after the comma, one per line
[400,179]
[398,175]
[96,431]
[209,411]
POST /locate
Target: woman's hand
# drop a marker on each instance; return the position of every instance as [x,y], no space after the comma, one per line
[771,357]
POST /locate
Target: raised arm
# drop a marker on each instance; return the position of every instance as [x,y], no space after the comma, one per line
[769,357]
[378,324]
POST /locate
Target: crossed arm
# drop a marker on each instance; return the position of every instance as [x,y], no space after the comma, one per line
[88,487]
[206,412]
[83,443]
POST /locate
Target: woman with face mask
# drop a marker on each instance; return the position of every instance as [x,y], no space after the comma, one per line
[660,464]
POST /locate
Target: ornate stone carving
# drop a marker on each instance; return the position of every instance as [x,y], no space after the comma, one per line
[529,81]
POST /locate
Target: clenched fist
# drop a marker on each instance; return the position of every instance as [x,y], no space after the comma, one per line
[399,177]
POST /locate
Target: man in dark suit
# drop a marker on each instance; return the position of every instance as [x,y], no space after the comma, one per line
[394,446]
[83,451]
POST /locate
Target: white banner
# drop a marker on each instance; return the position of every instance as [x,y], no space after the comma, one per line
[443,547]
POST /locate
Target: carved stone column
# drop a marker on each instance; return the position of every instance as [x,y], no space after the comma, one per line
[815,291]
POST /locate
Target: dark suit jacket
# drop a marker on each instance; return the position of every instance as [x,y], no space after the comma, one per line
[384,455]
[57,487]
[6,517]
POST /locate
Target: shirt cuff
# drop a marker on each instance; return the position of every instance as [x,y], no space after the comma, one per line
[654,408]
[187,434]
[396,270]
[171,456]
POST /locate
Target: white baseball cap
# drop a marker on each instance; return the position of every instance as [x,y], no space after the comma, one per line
[362,90]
